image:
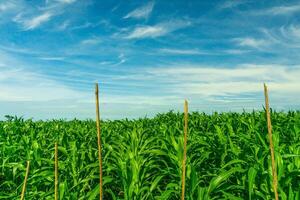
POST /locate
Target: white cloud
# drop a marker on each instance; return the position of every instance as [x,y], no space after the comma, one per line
[140,99]
[63,26]
[183,51]
[208,81]
[207,87]
[202,52]
[8,9]
[122,59]
[5,6]
[66,1]
[142,12]
[91,41]
[157,30]
[6,60]
[52,58]
[105,63]
[278,10]
[18,83]
[251,42]
[290,34]
[236,51]
[23,85]
[284,37]
[281,10]
[147,31]
[232,4]
[85,25]
[30,20]
[52,4]
[34,22]
[295,31]
[15,49]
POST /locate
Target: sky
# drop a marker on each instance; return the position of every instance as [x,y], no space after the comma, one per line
[147,56]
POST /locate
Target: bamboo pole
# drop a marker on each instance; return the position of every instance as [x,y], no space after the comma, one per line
[274,173]
[99,139]
[56,172]
[184,148]
[25,180]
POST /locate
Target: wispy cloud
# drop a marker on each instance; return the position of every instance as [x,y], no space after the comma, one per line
[231,4]
[210,84]
[105,63]
[34,22]
[294,31]
[5,6]
[30,20]
[202,52]
[141,12]
[63,26]
[184,51]
[284,36]
[91,41]
[85,26]
[251,42]
[122,59]
[52,58]
[147,31]
[6,60]
[52,4]
[279,10]
[157,30]
[209,81]
[31,87]
[66,1]
[290,33]
[15,49]
[8,9]
[235,51]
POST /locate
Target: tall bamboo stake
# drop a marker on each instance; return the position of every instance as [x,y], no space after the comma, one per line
[99,139]
[56,172]
[274,173]
[25,180]
[184,148]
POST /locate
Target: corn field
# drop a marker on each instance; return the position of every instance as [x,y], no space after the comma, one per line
[227,157]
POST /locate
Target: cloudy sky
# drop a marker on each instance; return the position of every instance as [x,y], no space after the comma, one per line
[148,56]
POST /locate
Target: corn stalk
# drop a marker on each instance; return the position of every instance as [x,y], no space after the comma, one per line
[274,173]
[184,148]
[25,180]
[56,171]
[99,139]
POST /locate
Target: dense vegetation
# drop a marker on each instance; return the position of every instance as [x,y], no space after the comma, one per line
[228,157]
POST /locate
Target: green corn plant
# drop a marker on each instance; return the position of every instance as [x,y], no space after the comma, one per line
[227,157]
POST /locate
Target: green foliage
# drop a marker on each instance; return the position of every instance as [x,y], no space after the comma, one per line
[228,157]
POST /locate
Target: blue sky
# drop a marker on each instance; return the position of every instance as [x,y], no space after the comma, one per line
[148,56]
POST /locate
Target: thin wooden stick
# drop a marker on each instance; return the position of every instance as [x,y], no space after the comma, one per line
[56,172]
[184,148]
[99,139]
[25,180]
[274,173]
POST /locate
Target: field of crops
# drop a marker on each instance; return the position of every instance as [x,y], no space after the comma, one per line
[228,157]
